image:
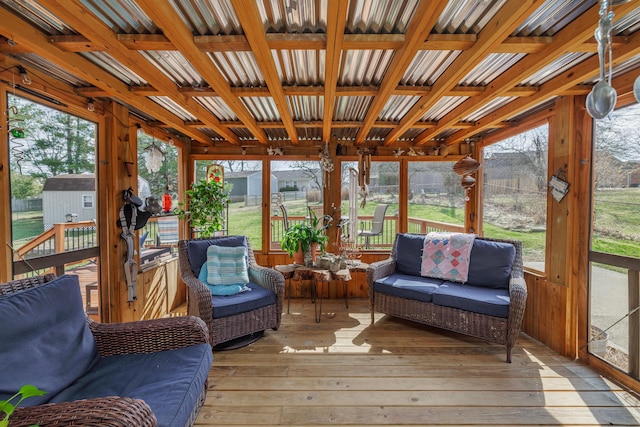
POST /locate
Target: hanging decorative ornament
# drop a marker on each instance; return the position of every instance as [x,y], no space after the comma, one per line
[153,157]
[636,88]
[602,99]
[466,165]
[326,162]
[468,182]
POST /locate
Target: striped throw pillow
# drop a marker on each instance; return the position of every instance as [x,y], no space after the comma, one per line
[227,265]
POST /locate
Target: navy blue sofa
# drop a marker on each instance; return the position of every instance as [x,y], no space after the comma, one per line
[144,373]
[490,305]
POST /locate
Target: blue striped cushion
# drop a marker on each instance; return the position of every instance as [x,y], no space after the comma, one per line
[227,265]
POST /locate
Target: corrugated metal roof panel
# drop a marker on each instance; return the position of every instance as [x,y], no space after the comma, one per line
[488,108]
[39,16]
[427,66]
[175,66]
[114,67]
[490,68]
[170,105]
[243,133]
[396,107]
[300,67]
[379,16]
[364,67]
[306,108]
[262,108]
[240,69]
[377,134]
[217,107]
[47,67]
[277,134]
[442,107]
[211,134]
[553,16]
[556,68]
[627,24]
[351,108]
[294,16]
[309,134]
[344,134]
[410,134]
[211,17]
[466,16]
[122,16]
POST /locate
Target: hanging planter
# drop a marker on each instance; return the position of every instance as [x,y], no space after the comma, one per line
[466,166]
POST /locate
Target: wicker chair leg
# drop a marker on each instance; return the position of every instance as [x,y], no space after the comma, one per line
[508,354]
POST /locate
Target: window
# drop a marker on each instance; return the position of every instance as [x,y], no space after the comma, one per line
[436,198]
[615,241]
[243,178]
[296,189]
[87,201]
[515,192]
[372,232]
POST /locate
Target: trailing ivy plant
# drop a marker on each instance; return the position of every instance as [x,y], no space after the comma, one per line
[8,406]
[207,201]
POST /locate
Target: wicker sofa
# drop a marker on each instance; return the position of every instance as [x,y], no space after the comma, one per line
[490,305]
[231,318]
[144,373]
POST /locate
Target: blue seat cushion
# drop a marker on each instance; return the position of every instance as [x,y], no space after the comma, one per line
[197,249]
[168,381]
[408,286]
[228,305]
[490,264]
[44,339]
[489,301]
[409,253]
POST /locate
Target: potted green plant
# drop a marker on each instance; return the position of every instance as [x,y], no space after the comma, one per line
[207,202]
[9,406]
[302,237]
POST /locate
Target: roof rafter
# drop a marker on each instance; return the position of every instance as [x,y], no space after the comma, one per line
[495,31]
[37,42]
[163,16]
[566,39]
[562,82]
[336,19]
[416,34]
[249,17]
[79,18]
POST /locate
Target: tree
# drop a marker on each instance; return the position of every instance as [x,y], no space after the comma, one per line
[24,186]
[54,142]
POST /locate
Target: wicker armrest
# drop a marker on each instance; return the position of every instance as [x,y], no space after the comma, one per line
[267,278]
[517,303]
[380,269]
[105,411]
[149,336]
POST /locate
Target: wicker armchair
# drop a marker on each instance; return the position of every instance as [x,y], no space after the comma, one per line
[201,303]
[148,336]
[494,329]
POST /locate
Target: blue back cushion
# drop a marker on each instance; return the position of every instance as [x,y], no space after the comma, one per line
[409,253]
[197,249]
[44,339]
[491,263]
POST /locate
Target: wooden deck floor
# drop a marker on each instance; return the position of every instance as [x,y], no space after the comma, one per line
[344,371]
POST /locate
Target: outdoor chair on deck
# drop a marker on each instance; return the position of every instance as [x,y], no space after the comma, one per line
[377,225]
[236,319]
[167,231]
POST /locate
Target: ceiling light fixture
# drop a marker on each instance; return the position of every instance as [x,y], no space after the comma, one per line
[153,157]
[91,106]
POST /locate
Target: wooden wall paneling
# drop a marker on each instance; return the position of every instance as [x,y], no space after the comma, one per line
[176,289]
[6,268]
[154,293]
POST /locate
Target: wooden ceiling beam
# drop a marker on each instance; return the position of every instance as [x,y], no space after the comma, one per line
[569,37]
[249,17]
[164,16]
[79,17]
[563,82]
[33,40]
[336,20]
[501,25]
[417,32]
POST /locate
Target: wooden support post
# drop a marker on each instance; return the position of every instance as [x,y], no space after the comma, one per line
[6,254]
[634,323]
